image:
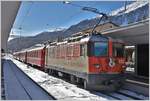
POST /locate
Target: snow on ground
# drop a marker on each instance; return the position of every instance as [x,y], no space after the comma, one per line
[57,87]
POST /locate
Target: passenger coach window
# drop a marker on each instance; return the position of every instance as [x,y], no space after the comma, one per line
[100,49]
[118,50]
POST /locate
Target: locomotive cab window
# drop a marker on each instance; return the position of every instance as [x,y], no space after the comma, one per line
[100,49]
[118,50]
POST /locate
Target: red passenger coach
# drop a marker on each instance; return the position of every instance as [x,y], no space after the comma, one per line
[36,56]
[23,56]
[17,55]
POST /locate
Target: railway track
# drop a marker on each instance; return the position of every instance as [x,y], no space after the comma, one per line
[131,90]
[23,86]
[132,94]
[136,86]
[122,94]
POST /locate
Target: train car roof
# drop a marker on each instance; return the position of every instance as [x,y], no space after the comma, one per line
[22,51]
[35,48]
[29,49]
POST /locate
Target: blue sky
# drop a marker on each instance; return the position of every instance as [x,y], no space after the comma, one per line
[39,16]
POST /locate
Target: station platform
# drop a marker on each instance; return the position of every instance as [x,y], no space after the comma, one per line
[18,86]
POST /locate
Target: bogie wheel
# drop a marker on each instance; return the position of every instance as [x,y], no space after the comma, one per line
[85,84]
[72,79]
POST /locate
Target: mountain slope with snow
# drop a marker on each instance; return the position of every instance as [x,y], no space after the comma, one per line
[130,7]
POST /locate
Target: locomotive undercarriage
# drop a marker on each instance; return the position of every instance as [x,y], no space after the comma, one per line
[98,82]
[104,82]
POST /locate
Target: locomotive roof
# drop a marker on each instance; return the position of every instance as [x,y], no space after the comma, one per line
[117,40]
[98,37]
[85,38]
[82,39]
[93,38]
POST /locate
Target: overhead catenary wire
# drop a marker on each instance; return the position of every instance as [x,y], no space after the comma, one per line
[27,13]
[91,9]
[22,22]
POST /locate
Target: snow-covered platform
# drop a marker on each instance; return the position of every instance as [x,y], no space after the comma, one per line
[18,86]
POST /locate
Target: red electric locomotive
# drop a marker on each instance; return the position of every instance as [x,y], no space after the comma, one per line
[94,59]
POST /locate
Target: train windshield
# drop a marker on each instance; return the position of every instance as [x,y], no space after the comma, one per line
[118,50]
[100,49]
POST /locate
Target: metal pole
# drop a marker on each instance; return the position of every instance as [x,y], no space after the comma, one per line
[125,6]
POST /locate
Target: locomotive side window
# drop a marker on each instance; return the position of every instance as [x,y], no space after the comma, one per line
[118,50]
[83,50]
[52,52]
[37,53]
[49,53]
[100,49]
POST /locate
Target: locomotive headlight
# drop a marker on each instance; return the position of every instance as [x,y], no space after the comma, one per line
[96,65]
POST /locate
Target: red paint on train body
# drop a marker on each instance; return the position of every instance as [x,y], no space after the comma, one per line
[36,57]
[98,60]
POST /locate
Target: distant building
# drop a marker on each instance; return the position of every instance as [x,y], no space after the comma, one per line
[99,28]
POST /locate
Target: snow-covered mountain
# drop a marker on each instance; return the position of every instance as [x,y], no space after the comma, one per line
[134,12]
[57,29]
[131,7]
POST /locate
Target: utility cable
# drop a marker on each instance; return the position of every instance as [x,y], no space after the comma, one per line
[22,22]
